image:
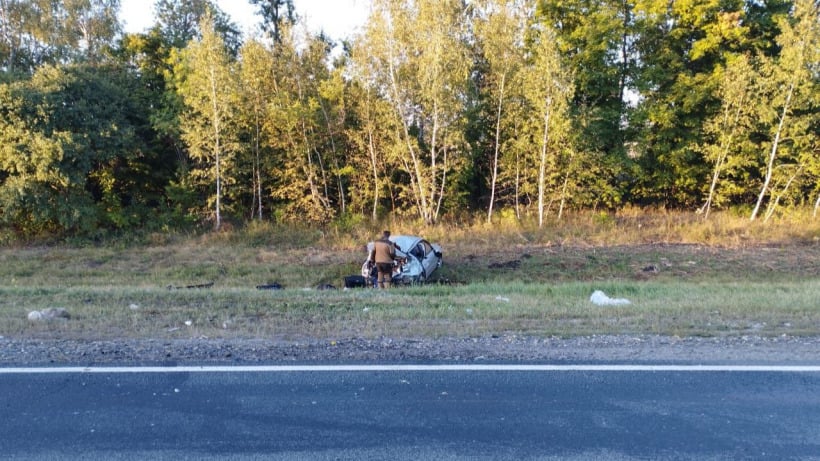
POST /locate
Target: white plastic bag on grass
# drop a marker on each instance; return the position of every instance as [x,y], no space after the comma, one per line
[599,298]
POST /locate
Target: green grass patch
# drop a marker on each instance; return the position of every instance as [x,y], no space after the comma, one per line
[564,309]
[500,279]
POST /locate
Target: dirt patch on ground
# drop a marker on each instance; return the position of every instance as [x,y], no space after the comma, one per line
[555,263]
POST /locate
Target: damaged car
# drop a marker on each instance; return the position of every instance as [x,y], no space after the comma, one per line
[416,260]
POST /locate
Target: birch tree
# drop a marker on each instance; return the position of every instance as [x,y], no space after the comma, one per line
[727,128]
[37,32]
[596,41]
[680,45]
[208,87]
[792,82]
[419,63]
[372,133]
[256,76]
[331,110]
[548,88]
[294,126]
[500,28]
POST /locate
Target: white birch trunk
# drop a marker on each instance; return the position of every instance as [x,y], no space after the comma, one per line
[374,165]
[542,167]
[724,153]
[773,153]
[258,172]
[816,206]
[497,146]
[416,179]
[565,186]
[217,148]
[773,205]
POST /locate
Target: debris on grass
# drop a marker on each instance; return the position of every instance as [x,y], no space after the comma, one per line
[49,314]
[599,298]
[189,287]
[269,286]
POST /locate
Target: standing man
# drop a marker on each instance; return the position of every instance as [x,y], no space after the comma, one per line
[383,255]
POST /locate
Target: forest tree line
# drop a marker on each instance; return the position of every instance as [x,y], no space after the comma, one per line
[435,110]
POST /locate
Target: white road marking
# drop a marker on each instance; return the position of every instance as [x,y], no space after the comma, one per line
[405,368]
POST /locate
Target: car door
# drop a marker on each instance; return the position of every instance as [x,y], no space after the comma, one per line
[429,260]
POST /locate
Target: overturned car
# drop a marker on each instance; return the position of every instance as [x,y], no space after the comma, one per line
[416,260]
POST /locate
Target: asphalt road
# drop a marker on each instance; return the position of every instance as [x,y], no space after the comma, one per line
[410,414]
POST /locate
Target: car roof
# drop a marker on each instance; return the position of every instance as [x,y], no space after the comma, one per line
[406,241]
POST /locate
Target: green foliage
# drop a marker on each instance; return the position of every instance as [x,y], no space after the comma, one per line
[275,14]
[681,46]
[725,146]
[68,151]
[179,22]
[593,38]
[348,222]
[206,80]
[426,87]
[789,115]
[35,33]
[527,110]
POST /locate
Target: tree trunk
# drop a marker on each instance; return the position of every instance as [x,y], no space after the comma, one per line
[773,205]
[724,153]
[565,185]
[416,179]
[497,145]
[518,186]
[217,148]
[326,116]
[773,154]
[443,182]
[816,206]
[542,167]
[257,171]
[374,164]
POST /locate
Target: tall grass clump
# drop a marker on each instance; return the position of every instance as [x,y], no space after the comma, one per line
[266,233]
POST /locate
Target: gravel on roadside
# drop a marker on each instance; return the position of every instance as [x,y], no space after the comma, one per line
[489,349]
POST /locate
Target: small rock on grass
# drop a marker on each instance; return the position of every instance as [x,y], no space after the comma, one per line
[49,314]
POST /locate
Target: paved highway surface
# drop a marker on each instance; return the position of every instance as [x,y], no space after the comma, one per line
[410,413]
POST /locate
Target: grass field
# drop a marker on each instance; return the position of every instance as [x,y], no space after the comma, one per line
[682,276]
